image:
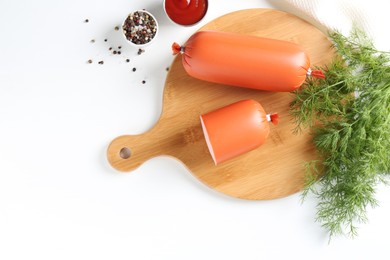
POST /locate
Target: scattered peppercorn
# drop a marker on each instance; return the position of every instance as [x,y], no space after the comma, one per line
[110,48]
[116,28]
[114,52]
[89,61]
[134,69]
[119,52]
[93,40]
[86,21]
[143,82]
[167,68]
[140,51]
[119,47]
[127,60]
[105,40]
[101,62]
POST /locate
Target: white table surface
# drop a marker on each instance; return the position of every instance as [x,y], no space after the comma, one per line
[60,199]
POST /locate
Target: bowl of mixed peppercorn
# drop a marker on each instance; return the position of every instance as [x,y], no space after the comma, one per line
[140,28]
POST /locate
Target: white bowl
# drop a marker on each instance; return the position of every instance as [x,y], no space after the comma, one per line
[138,27]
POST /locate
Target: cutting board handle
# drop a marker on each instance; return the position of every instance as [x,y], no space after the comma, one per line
[128,152]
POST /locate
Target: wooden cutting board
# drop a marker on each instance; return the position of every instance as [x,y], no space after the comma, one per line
[274,170]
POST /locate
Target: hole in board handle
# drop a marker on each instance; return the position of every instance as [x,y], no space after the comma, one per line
[125,153]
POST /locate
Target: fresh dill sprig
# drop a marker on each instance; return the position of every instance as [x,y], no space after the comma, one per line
[349,115]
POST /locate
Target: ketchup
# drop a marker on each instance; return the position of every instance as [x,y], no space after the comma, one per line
[186,12]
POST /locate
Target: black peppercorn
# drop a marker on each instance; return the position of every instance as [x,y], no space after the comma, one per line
[127,60]
[140,51]
[134,69]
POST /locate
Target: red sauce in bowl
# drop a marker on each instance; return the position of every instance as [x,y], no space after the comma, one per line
[186,12]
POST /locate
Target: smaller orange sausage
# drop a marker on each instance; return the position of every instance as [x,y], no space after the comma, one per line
[236,129]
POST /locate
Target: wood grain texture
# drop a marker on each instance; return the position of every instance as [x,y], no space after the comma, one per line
[275,169]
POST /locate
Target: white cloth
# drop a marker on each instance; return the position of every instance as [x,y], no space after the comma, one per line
[372,16]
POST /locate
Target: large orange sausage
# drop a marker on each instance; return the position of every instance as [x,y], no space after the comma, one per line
[236,129]
[245,61]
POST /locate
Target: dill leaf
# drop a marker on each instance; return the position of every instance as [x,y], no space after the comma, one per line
[349,115]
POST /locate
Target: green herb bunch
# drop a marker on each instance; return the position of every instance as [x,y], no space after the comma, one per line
[349,116]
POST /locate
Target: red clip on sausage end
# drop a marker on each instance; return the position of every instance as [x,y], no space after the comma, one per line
[176,48]
[273,118]
[316,73]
